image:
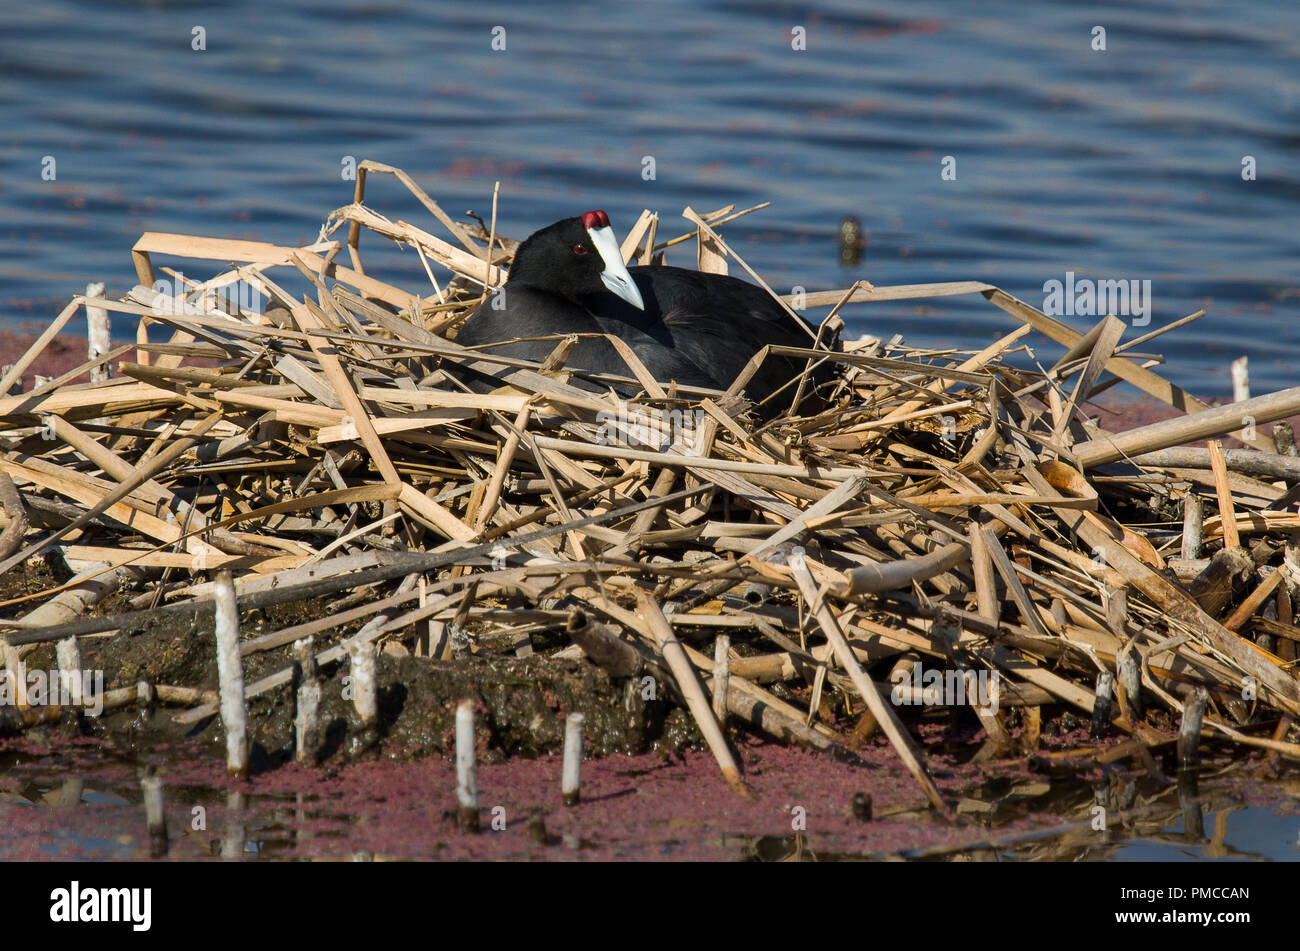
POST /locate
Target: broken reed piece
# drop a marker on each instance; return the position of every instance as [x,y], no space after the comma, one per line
[1101,705]
[1253,601]
[424,626]
[1248,462]
[688,682]
[1227,515]
[155,813]
[892,575]
[1240,369]
[307,733]
[862,807]
[986,592]
[1189,731]
[1291,561]
[146,697]
[11,507]
[1129,678]
[602,645]
[1222,580]
[1059,615]
[720,683]
[466,768]
[1193,526]
[1117,611]
[1288,648]
[988,713]
[67,653]
[537,828]
[1205,424]
[14,671]
[1284,439]
[571,774]
[230,674]
[97,333]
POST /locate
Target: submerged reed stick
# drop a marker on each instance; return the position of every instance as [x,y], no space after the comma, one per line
[230,675]
[155,813]
[1101,706]
[365,690]
[571,779]
[307,733]
[1189,731]
[721,682]
[466,768]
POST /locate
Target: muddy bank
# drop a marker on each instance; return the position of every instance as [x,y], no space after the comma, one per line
[521,701]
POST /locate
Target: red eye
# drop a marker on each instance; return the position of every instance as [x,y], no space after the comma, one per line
[579,249]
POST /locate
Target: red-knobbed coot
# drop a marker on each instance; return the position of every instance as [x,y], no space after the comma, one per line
[698,329]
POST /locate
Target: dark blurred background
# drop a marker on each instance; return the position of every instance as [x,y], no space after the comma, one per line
[1122,163]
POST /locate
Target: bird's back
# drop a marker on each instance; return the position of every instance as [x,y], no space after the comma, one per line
[533,312]
[714,321]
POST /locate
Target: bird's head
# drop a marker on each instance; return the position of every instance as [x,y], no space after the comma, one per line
[576,257]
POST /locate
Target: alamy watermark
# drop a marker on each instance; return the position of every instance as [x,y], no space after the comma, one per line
[179,298]
[635,427]
[55,688]
[85,904]
[945,688]
[1084,297]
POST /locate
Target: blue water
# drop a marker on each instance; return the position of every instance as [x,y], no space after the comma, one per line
[1253,834]
[1116,164]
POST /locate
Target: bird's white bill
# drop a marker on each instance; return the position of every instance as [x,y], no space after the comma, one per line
[615,275]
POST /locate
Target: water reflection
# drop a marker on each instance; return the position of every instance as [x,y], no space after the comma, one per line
[1144,820]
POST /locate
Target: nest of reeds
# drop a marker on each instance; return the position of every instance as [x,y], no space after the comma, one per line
[951,510]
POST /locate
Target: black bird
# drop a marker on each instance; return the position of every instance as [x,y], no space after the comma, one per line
[698,329]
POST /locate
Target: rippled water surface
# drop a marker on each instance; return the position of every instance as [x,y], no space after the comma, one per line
[1125,163]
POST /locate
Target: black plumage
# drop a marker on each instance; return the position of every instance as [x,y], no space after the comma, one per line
[698,329]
